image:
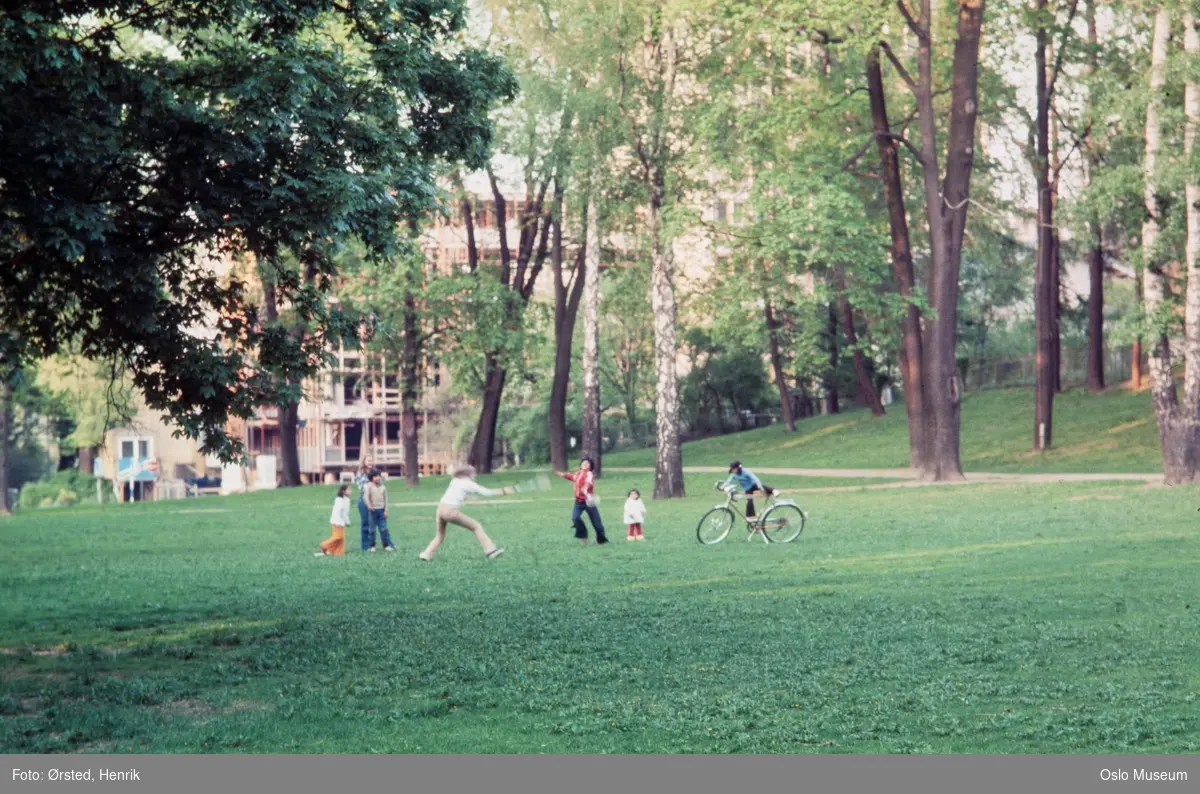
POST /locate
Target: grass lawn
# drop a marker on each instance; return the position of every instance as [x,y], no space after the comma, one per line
[1113,431]
[988,618]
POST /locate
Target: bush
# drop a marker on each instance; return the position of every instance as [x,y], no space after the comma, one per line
[63,489]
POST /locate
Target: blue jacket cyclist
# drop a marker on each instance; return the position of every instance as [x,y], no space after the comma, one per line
[749,483]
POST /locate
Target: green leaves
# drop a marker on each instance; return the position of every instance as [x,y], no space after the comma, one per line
[133,176]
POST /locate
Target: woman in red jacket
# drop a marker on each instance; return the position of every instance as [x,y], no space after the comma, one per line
[585,501]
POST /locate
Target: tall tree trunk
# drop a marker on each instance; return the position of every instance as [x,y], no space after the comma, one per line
[1095,363]
[1055,239]
[5,432]
[668,470]
[946,209]
[1135,351]
[1179,431]
[85,458]
[289,453]
[484,445]
[785,393]
[592,440]
[1044,281]
[1095,357]
[518,277]
[832,398]
[410,373]
[566,310]
[1179,425]
[289,450]
[866,389]
[902,264]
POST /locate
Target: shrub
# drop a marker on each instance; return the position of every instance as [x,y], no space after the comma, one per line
[64,488]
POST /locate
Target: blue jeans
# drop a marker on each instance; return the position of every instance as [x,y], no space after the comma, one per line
[368,534]
[379,522]
[581,529]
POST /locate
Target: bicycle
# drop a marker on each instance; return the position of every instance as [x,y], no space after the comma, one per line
[781,522]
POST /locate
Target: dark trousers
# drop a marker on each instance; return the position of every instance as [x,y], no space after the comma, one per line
[581,529]
[750,498]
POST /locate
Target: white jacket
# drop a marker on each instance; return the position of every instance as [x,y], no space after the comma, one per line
[458,490]
[635,511]
[340,517]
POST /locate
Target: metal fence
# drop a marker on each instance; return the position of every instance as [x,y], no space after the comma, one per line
[1003,373]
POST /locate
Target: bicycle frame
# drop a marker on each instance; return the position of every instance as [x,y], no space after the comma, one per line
[732,495]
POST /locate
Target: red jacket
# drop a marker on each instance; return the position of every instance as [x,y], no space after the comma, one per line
[585,484]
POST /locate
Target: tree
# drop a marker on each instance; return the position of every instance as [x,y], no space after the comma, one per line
[651,120]
[261,133]
[1046,283]
[402,312]
[592,446]
[911,353]
[1095,356]
[627,336]
[567,294]
[97,394]
[946,212]
[1178,425]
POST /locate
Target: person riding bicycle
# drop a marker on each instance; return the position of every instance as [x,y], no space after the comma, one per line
[749,483]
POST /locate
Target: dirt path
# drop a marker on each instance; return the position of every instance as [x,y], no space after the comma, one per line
[910,478]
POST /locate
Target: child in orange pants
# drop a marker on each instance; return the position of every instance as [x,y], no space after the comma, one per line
[338,520]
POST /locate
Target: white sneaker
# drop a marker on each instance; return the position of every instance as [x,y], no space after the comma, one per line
[630,537]
[494,553]
[423,556]
[641,537]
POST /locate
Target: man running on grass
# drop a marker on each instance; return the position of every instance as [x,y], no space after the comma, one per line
[749,483]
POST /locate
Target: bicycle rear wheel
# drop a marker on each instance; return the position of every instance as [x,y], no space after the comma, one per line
[783,523]
[715,525]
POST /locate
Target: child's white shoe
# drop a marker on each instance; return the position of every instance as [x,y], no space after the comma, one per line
[641,537]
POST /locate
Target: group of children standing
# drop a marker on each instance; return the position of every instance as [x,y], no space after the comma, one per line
[373,511]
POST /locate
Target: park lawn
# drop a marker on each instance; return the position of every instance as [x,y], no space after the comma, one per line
[1039,618]
[1112,431]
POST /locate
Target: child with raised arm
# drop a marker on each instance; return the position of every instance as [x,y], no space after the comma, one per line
[585,502]
[449,511]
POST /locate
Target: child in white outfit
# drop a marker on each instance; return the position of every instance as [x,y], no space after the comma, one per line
[338,520]
[635,514]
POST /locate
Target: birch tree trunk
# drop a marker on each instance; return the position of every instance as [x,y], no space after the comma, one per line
[592,443]
[668,469]
[1178,429]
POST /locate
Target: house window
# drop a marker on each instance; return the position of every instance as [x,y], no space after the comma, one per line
[141,447]
[719,211]
[393,431]
[350,388]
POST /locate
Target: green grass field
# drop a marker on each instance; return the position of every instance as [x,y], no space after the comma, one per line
[1113,431]
[985,619]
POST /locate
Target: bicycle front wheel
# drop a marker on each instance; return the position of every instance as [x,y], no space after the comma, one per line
[783,523]
[715,525]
